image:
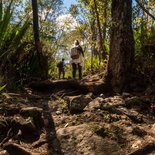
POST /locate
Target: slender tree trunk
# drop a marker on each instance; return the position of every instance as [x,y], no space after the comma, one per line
[94,51]
[36,25]
[142,35]
[105,17]
[101,47]
[42,59]
[121,57]
[140,4]
[137,15]
[1,10]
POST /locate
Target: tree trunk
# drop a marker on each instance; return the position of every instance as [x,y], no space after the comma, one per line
[36,25]
[1,10]
[42,59]
[104,25]
[94,51]
[142,35]
[121,46]
[101,47]
[105,21]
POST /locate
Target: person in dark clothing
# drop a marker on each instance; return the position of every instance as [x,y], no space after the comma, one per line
[61,70]
[77,55]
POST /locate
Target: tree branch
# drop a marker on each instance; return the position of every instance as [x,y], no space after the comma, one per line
[144,9]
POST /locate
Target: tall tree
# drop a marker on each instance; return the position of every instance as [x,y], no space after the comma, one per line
[121,46]
[36,25]
[1,10]
[101,47]
[105,15]
[43,71]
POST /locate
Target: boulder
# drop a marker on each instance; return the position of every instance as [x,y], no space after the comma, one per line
[78,103]
[133,101]
[95,104]
[82,140]
[35,113]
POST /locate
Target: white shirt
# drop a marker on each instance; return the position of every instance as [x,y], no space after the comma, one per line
[80,60]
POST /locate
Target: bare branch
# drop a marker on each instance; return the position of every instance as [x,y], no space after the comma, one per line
[144,9]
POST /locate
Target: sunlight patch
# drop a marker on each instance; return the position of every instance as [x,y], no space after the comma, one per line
[66,22]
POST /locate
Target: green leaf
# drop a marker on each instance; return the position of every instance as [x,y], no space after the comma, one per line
[4,23]
[2,87]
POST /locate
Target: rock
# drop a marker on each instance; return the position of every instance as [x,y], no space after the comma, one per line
[4,127]
[28,129]
[142,103]
[139,132]
[81,140]
[150,90]
[35,113]
[153,110]
[78,103]
[102,95]
[115,100]
[153,127]
[6,95]
[133,101]
[66,125]
[110,104]
[153,99]
[125,95]
[95,104]
[31,111]
[3,152]
[9,110]
[58,112]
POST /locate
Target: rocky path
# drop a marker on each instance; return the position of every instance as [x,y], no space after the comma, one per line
[68,122]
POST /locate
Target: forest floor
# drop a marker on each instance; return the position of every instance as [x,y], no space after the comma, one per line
[50,118]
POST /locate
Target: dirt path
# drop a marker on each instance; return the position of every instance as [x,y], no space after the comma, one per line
[118,124]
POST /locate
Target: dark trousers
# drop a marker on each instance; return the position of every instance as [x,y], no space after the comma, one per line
[76,67]
[61,71]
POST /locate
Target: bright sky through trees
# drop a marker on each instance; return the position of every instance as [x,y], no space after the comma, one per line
[67,3]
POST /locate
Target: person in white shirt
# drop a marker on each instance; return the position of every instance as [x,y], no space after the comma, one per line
[77,56]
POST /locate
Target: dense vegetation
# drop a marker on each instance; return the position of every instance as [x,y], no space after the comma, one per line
[110,110]
[34,37]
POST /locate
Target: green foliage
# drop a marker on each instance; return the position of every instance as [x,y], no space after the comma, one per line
[137,42]
[2,87]
[16,39]
[68,71]
[52,69]
[4,23]
[11,36]
[74,10]
[92,67]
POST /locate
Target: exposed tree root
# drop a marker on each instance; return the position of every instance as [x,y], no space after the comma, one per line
[83,86]
[39,143]
[146,149]
[15,149]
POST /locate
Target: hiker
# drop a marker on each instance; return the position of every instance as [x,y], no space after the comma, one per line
[61,69]
[77,55]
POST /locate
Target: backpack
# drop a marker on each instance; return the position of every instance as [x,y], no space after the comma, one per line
[75,53]
[60,64]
